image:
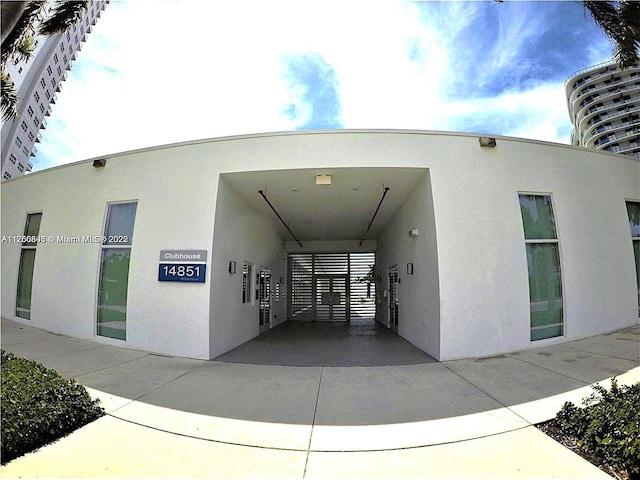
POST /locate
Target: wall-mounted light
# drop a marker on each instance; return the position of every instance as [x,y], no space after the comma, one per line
[489,142]
[414,232]
[409,268]
[101,162]
[323,179]
[232,267]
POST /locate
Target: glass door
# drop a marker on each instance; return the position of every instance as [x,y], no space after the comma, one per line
[393,297]
[264,298]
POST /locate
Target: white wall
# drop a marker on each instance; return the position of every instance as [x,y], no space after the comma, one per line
[418,294]
[240,235]
[481,293]
[168,317]
[483,267]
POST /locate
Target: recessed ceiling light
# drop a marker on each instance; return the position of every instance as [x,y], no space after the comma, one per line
[294,189]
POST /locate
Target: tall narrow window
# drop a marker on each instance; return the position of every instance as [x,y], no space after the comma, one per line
[114,270]
[27,261]
[633,209]
[543,261]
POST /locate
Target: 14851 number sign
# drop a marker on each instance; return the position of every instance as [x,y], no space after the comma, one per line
[182,272]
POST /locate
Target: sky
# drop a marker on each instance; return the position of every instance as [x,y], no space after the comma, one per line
[155,72]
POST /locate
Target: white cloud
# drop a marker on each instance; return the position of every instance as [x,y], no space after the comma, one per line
[157,72]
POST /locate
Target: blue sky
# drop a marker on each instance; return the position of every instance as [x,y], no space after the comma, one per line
[156,72]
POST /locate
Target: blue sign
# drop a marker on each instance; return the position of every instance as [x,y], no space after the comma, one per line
[182,272]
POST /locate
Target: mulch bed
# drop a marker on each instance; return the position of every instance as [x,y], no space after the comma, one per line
[551,429]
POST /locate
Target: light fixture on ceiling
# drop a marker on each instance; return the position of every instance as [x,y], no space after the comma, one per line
[232,267]
[489,142]
[414,232]
[323,179]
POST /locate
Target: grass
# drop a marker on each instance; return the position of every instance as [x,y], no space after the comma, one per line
[39,406]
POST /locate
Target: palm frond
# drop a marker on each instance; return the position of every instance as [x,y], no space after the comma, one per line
[8,98]
[25,49]
[65,15]
[22,29]
[620,21]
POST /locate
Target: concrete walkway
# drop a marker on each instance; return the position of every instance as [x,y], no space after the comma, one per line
[178,417]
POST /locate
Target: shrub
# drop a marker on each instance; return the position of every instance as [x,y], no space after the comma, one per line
[608,425]
[39,406]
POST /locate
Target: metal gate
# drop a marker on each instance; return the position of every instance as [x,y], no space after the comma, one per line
[331,286]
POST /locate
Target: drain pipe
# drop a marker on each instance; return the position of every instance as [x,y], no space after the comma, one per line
[386,189]
[278,215]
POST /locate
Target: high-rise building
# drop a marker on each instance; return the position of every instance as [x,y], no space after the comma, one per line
[37,82]
[604,106]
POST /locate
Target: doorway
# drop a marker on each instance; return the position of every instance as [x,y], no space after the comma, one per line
[264,299]
[332,294]
[394,281]
[331,287]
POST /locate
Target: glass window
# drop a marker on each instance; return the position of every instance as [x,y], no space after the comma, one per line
[27,262]
[543,262]
[114,270]
[537,217]
[119,229]
[633,209]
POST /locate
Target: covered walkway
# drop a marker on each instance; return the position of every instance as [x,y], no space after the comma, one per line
[358,343]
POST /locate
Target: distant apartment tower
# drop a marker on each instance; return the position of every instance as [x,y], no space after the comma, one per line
[37,82]
[604,106]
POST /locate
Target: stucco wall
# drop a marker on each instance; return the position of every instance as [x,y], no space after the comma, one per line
[418,294]
[167,317]
[241,235]
[472,242]
[483,266]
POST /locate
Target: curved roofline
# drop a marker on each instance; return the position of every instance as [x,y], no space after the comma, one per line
[588,69]
[286,133]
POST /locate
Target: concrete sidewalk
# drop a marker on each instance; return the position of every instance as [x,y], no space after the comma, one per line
[177,417]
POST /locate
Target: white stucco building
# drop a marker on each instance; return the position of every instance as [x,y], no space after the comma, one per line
[478,250]
[37,82]
[604,106]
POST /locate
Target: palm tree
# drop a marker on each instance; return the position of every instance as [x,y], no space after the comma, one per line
[19,19]
[620,21]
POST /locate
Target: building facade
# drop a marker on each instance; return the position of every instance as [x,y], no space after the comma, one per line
[475,248]
[604,106]
[37,83]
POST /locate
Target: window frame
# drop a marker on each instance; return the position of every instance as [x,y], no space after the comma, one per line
[556,241]
[112,246]
[31,246]
[633,242]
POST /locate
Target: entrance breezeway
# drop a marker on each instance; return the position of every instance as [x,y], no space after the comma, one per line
[358,343]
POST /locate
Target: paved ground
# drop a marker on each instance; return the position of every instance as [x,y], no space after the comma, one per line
[177,417]
[359,343]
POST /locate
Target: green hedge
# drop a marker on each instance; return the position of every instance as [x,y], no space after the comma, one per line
[608,425]
[39,406]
